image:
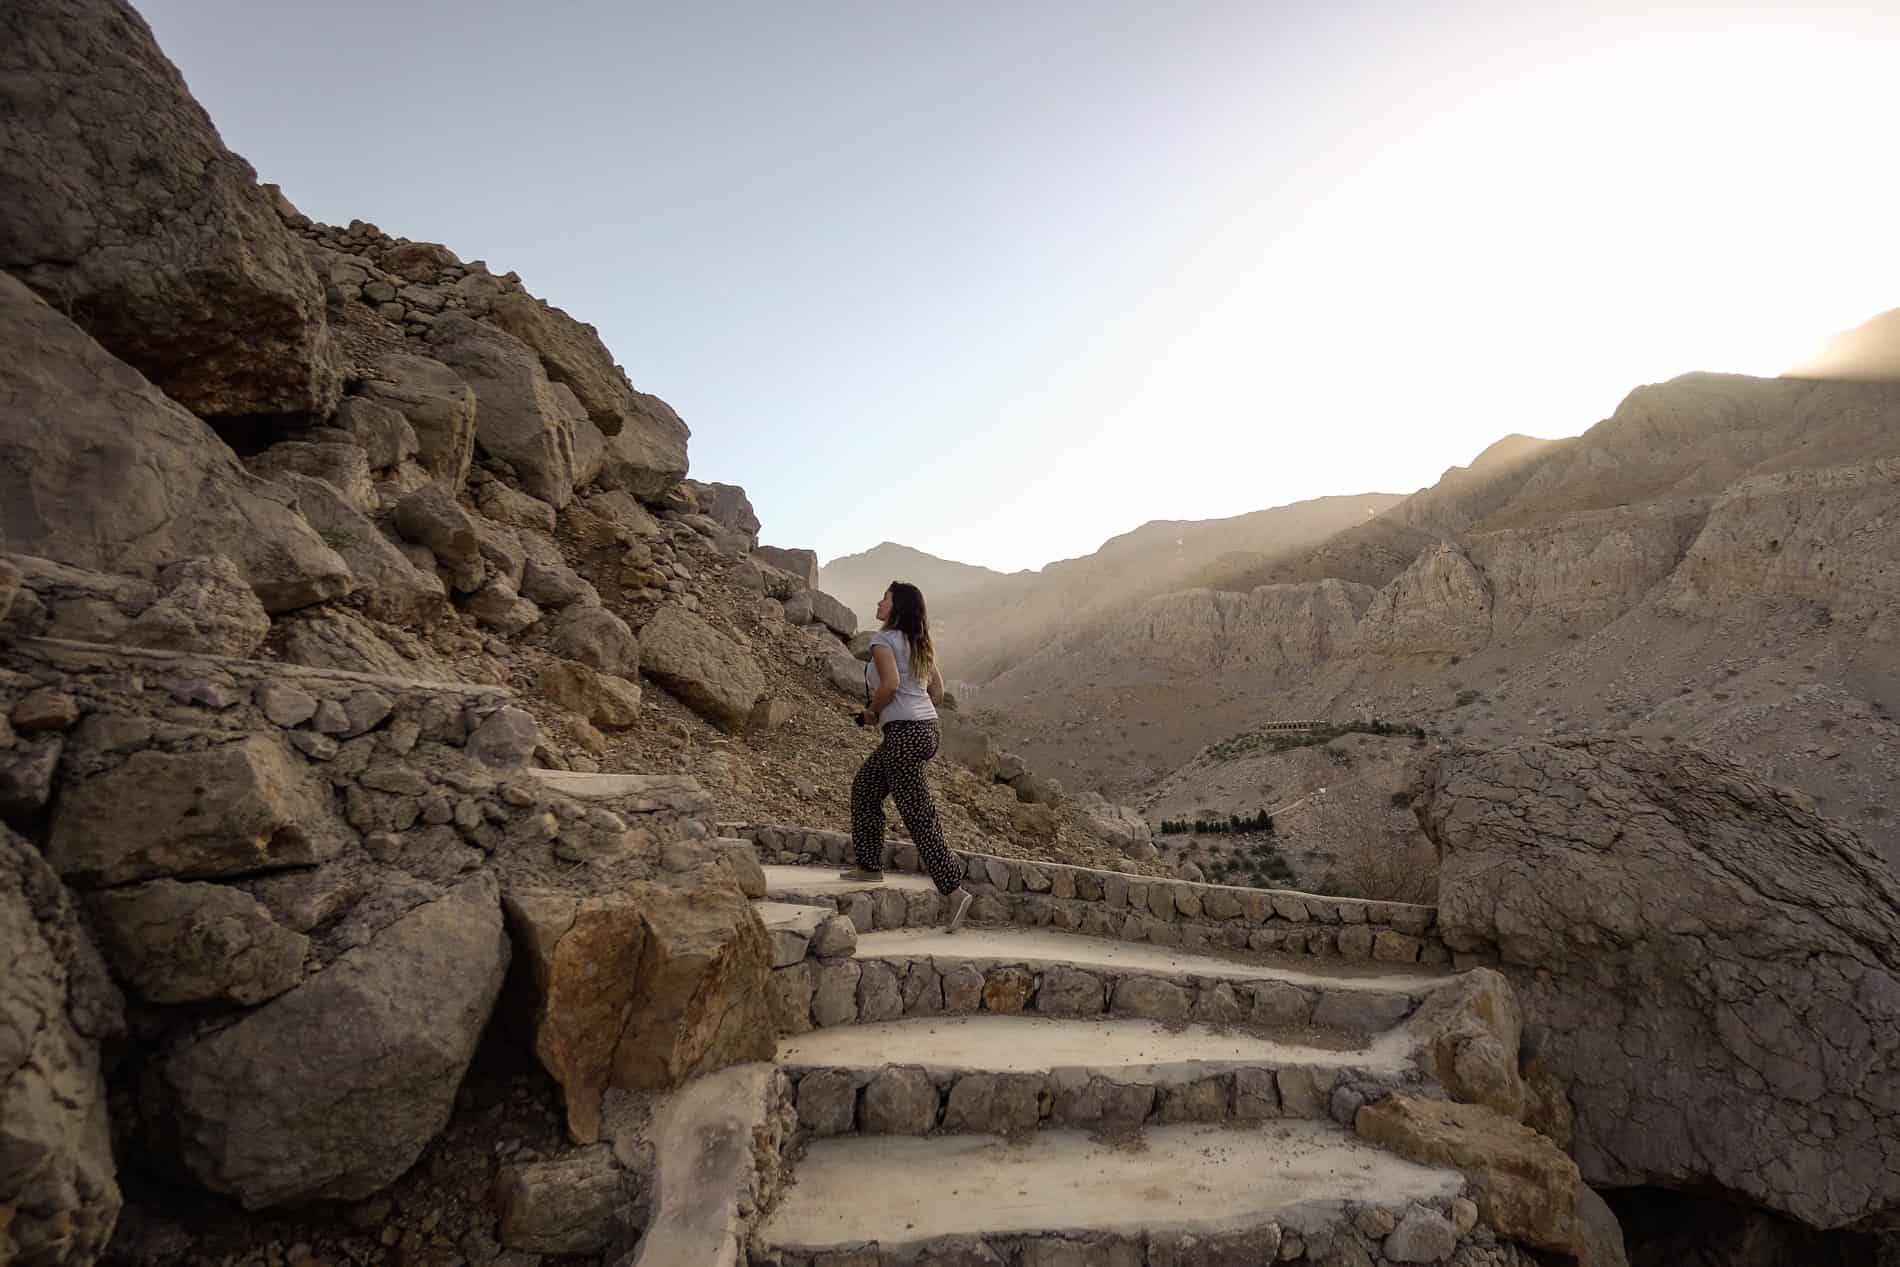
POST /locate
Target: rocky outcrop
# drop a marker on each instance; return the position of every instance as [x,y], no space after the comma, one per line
[728,506]
[641,989]
[710,673]
[1440,604]
[288,1105]
[1714,965]
[438,405]
[103,472]
[59,1197]
[518,416]
[802,564]
[122,207]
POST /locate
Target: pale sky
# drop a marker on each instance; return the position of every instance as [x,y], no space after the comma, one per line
[1001,281]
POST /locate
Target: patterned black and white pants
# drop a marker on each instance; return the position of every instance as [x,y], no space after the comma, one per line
[896,770]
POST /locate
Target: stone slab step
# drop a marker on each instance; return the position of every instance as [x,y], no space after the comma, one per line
[1044,948]
[1023,1044]
[1006,1074]
[1189,1194]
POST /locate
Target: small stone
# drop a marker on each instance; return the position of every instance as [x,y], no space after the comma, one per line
[331,719]
[210,694]
[285,705]
[837,936]
[1422,1236]
[900,1101]
[1006,990]
[827,1102]
[1375,1222]
[43,710]
[367,710]
[1464,1216]
[316,747]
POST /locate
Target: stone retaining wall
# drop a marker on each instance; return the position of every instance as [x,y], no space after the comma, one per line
[910,1100]
[1187,914]
[839,990]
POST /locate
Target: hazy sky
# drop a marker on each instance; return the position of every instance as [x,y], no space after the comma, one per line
[1001,281]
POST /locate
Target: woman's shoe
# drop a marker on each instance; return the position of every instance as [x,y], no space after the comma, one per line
[960,901]
[858,875]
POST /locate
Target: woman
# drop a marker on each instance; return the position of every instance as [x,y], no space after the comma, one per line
[904,686]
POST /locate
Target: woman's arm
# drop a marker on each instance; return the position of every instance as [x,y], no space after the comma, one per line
[936,685]
[886,662]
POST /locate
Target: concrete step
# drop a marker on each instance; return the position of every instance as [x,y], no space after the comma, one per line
[1004,1074]
[792,883]
[1187,1195]
[919,972]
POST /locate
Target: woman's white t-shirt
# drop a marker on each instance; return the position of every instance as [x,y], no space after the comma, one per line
[912,701]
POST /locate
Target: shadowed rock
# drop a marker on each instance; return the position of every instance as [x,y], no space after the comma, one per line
[1717,966]
[120,204]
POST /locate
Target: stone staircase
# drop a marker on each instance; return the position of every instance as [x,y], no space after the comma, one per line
[1028,1093]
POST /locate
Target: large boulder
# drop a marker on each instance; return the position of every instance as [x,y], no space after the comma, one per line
[824,609]
[1119,825]
[709,672]
[175,942]
[641,989]
[573,355]
[59,1197]
[437,403]
[1715,967]
[228,809]
[1526,1189]
[203,606]
[120,204]
[800,563]
[288,1105]
[518,416]
[729,507]
[101,471]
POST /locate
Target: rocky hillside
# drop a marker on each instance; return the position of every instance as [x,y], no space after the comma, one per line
[1712,562]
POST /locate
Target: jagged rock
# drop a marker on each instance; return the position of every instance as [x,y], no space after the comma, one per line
[547,579]
[123,207]
[438,405]
[431,517]
[387,584]
[59,1195]
[728,506]
[619,509]
[105,473]
[968,745]
[1467,1036]
[337,638]
[496,606]
[710,673]
[196,943]
[1722,962]
[204,606]
[418,261]
[510,506]
[823,608]
[1119,825]
[1526,1189]
[1440,605]
[385,436]
[341,465]
[287,1105]
[575,1204]
[572,353]
[846,675]
[802,564]
[518,418]
[228,809]
[501,549]
[505,740]
[609,702]
[583,955]
[598,639]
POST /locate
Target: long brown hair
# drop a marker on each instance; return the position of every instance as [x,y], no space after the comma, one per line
[909,618]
